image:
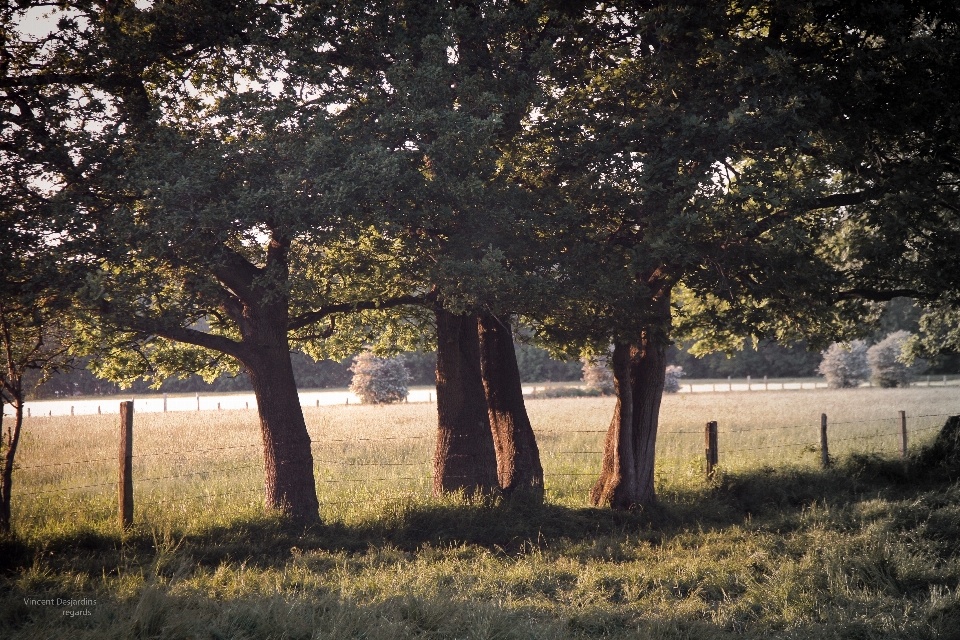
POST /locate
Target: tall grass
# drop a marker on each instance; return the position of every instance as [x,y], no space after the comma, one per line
[771,546]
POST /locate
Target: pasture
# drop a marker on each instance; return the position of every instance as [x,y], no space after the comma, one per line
[771,546]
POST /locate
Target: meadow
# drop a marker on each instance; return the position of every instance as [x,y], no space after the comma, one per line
[771,546]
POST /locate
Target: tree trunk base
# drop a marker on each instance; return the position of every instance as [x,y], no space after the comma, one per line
[518,458]
[465,459]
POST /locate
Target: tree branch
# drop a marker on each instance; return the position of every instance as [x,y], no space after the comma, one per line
[47,79]
[191,336]
[306,319]
[843,199]
[826,202]
[236,273]
[877,295]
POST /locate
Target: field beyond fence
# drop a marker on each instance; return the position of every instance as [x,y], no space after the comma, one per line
[772,545]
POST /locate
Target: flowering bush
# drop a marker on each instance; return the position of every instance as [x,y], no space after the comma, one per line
[887,368]
[671,382]
[845,365]
[379,380]
[597,374]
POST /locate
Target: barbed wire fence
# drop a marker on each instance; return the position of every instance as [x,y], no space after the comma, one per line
[715,446]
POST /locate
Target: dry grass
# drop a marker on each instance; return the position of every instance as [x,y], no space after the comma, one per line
[772,547]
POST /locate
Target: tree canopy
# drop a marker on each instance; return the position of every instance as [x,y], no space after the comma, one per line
[231,179]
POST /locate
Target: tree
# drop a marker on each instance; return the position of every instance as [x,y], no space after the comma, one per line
[35,317]
[725,173]
[845,365]
[379,380]
[34,340]
[518,457]
[461,80]
[201,152]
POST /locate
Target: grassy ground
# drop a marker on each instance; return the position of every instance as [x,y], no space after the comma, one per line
[773,546]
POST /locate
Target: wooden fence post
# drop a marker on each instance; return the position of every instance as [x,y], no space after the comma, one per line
[729,384]
[766,385]
[125,481]
[710,437]
[903,434]
[164,403]
[824,451]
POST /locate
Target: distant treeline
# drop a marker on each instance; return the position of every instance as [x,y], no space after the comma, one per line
[536,365]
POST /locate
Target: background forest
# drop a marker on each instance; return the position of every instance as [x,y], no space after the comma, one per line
[767,358]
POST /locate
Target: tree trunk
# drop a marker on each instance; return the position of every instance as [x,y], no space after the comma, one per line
[618,468]
[6,480]
[465,457]
[647,375]
[626,479]
[287,456]
[518,458]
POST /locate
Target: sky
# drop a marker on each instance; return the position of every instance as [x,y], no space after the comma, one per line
[37,22]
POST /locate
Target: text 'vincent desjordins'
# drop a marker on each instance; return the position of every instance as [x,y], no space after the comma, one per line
[64,602]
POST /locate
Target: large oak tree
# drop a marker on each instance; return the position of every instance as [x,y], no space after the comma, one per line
[742,169]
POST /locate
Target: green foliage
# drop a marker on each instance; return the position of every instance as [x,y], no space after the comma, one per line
[421,366]
[716,154]
[939,334]
[537,365]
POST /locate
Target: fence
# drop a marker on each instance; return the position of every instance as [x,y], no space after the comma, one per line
[408,464]
[247,401]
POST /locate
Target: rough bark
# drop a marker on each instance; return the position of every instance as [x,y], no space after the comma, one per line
[287,457]
[465,458]
[264,351]
[518,458]
[626,479]
[6,480]
[647,374]
[261,311]
[617,471]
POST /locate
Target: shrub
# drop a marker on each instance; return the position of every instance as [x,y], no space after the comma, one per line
[671,382]
[887,368]
[597,374]
[845,365]
[379,380]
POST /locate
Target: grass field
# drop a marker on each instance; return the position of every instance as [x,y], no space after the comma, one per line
[772,546]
